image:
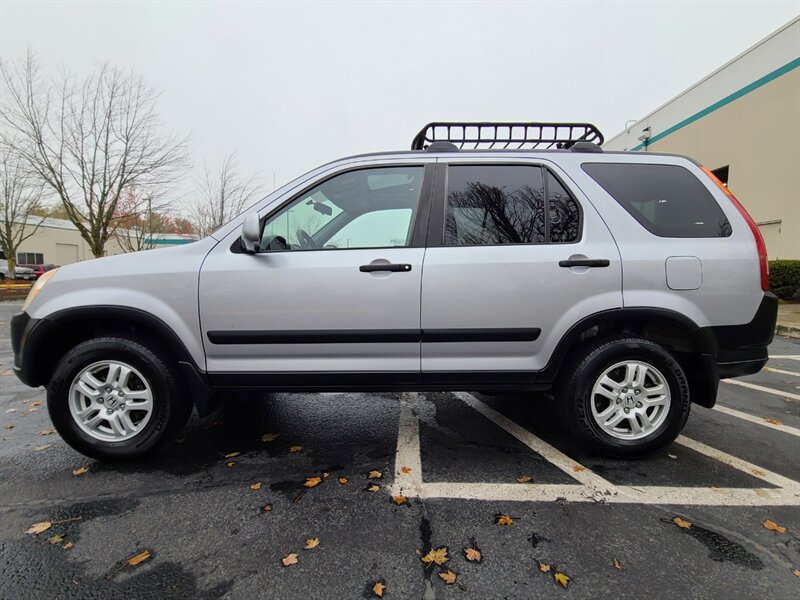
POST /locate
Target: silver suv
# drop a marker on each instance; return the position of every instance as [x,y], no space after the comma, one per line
[491,257]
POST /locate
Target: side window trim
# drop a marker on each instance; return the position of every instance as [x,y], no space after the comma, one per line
[438,205]
[418,222]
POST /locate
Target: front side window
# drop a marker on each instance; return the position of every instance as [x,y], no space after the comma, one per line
[508,204]
[368,208]
[667,200]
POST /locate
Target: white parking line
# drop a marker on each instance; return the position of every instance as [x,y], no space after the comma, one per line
[757,420]
[408,458]
[591,487]
[785,356]
[781,371]
[740,464]
[761,388]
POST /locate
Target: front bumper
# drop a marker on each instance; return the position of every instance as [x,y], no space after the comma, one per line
[21,326]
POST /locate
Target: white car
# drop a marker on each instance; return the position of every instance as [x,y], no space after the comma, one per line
[21,272]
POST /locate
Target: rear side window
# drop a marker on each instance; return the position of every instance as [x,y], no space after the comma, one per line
[504,204]
[667,200]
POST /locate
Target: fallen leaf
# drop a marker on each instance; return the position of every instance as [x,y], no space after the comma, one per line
[544,568]
[37,403]
[672,456]
[343,480]
[68,545]
[47,432]
[773,526]
[80,471]
[374,488]
[378,589]
[255,486]
[312,482]
[375,475]
[472,554]
[758,473]
[504,520]
[683,524]
[40,448]
[270,437]
[11,410]
[311,543]
[774,421]
[10,426]
[436,556]
[232,454]
[325,475]
[448,577]
[524,479]
[294,449]
[561,578]
[266,507]
[617,565]
[39,527]
[405,470]
[399,500]
[231,463]
[139,558]
[289,560]
[56,539]
[796,572]
[578,469]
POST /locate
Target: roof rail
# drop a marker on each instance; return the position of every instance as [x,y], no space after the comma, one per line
[505,136]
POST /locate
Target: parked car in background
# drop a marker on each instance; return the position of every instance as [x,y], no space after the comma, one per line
[21,272]
[39,270]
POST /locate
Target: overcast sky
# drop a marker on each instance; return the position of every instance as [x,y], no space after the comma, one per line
[290,86]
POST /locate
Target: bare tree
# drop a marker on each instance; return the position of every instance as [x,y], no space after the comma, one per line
[88,140]
[20,195]
[222,195]
[140,220]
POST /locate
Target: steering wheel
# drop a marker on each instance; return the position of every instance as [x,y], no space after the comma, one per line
[306,241]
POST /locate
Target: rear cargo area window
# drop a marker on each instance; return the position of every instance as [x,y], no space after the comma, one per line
[667,200]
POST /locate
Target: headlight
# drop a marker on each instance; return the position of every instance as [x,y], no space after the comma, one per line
[37,287]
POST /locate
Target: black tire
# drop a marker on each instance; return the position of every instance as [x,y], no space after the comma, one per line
[172,406]
[580,374]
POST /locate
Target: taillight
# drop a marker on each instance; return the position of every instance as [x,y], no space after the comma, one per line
[760,245]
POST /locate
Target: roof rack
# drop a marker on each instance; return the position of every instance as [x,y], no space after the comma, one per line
[505,136]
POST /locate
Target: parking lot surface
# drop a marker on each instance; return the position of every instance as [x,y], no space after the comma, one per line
[715,515]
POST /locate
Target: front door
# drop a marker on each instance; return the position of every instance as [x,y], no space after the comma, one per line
[334,292]
[506,271]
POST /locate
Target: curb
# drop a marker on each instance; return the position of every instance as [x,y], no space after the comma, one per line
[791,331]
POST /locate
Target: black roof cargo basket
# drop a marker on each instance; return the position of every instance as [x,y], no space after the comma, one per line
[506,136]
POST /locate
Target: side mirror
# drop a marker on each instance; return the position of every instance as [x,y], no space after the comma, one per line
[251,233]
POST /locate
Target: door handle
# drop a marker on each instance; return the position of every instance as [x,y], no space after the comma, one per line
[584,262]
[393,267]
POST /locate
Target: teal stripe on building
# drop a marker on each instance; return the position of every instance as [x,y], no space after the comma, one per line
[787,68]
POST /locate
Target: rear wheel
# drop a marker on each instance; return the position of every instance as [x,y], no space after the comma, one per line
[116,398]
[625,396]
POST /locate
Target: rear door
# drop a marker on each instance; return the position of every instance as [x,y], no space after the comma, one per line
[516,256]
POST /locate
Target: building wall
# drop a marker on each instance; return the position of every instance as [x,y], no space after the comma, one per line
[746,116]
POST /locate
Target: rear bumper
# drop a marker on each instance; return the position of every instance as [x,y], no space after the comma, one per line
[744,349]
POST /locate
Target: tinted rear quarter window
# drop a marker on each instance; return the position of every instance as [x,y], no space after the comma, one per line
[667,200]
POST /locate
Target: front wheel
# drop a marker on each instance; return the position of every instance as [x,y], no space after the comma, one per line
[625,396]
[115,398]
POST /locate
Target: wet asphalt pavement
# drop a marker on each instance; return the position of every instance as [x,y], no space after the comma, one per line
[194,509]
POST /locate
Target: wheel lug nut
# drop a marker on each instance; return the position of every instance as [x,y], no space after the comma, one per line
[638,391]
[619,400]
[627,410]
[624,390]
[101,400]
[111,410]
[638,405]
